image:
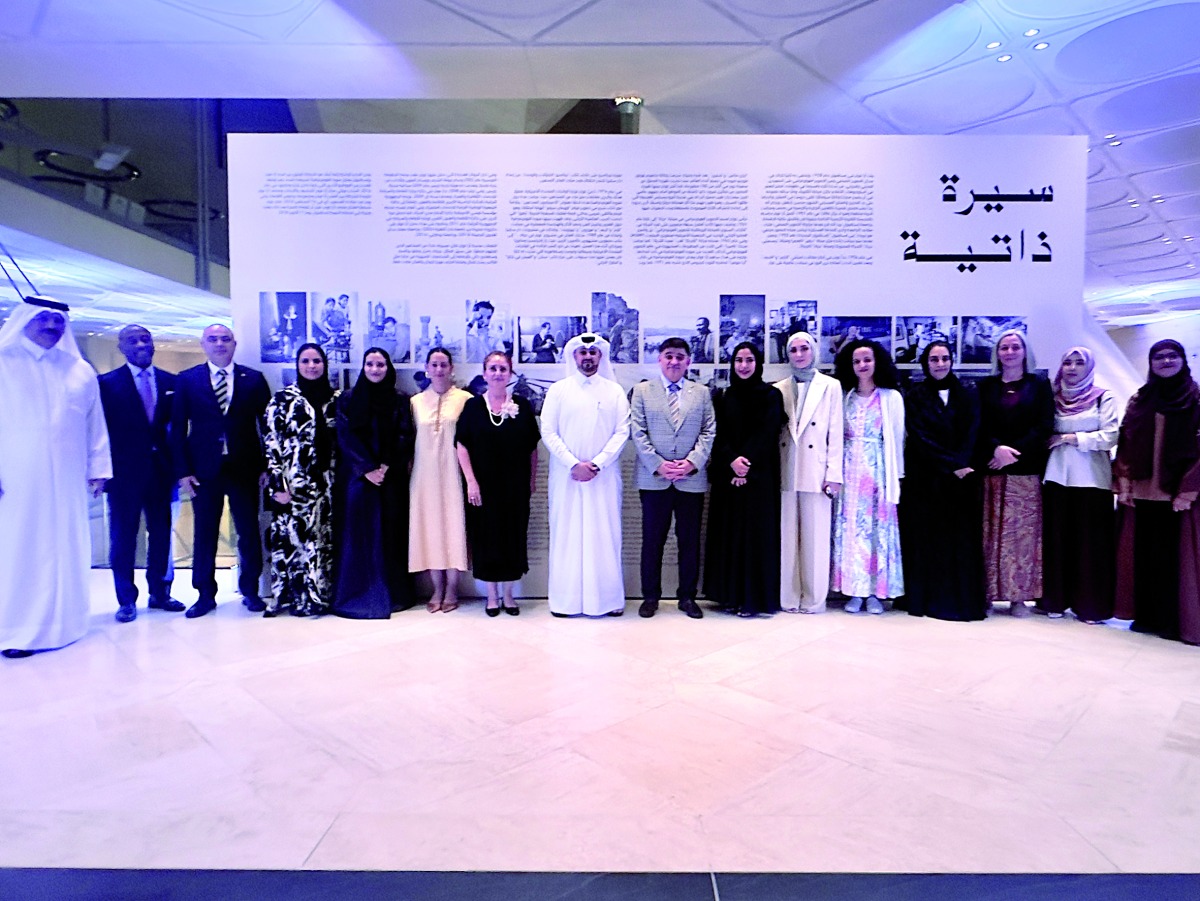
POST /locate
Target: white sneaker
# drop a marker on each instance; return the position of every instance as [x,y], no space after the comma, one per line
[874,605]
[854,605]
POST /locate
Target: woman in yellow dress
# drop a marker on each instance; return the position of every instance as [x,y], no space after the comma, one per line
[437,533]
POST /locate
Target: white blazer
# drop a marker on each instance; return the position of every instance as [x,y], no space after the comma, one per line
[811,447]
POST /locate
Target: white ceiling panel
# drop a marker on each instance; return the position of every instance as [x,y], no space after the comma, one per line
[639,22]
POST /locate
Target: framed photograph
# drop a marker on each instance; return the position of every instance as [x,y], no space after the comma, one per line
[912,334]
[837,331]
[743,318]
[785,319]
[979,335]
[282,325]
[543,338]
[619,323]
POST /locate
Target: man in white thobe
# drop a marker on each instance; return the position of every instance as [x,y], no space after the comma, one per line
[53,450]
[585,423]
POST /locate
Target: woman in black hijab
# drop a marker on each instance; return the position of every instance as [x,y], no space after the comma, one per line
[742,554]
[375,440]
[1158,479]
[299,442]
[941,508]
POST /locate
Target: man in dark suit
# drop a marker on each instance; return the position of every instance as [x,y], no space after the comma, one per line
[673,426]
[137,401]
[218,452]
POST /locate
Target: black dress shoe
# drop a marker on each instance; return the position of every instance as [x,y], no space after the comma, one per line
[126,613]
[514,610]
[647,609]
[201,607]
[254,605]
[559,615]
[691,608]
[15,654]
[169,604]
[492,611]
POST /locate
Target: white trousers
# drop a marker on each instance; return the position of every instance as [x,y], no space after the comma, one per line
[805,523]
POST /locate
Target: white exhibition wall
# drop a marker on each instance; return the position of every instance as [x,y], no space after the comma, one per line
[479,241]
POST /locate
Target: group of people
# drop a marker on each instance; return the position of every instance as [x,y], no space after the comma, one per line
[1007,490]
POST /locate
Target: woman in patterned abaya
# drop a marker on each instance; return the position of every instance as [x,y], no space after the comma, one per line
[866,529]
[741,561]
[497,437]
[1016,418]
[940,514]
[1158,481]
[375,440]
[437,522]
[299,439]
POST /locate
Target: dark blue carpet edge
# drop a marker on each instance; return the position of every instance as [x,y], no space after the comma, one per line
[54,884]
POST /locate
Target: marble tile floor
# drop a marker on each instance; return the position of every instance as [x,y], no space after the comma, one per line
[834,743]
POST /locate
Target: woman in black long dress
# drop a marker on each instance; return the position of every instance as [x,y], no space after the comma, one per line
[375,441]
[941,509]
[497,441]
[741,561]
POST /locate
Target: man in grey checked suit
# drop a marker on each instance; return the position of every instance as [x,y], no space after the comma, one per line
[673,431]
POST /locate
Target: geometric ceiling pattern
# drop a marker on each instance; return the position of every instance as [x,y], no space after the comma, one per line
[1124,74]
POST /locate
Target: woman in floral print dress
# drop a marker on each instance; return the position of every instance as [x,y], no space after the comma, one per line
[300,441]
[866,527]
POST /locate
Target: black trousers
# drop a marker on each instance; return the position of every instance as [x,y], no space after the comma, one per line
[126,504]
[206,511]
[1156,569]
[657,510]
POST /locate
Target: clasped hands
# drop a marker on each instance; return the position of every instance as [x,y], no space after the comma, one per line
[584,471]
[1003,456]
[741,469]
[376,476]
[674,470]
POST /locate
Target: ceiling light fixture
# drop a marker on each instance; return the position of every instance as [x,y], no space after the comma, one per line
[1031,32]
[1040,45]
[1114,143]
[993,45]
[1003,58]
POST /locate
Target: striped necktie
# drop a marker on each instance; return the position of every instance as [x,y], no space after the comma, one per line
[673,405]
[222,392]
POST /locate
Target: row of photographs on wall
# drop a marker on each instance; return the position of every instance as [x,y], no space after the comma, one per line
[346,326]
[533,385]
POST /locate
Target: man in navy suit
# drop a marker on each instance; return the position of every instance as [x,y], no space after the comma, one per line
[218,452]
[137,401]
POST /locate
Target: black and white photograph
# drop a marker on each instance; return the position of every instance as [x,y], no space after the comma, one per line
[489,327]
[282,324]
[787,318]
[332,323]
[743,318]
[979,336]
[618,322]
[913,334]
[445,330]
[544,337]
[387,327]
[692,329]
[837,331]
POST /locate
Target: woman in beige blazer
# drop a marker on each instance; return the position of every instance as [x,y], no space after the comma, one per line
[811,476]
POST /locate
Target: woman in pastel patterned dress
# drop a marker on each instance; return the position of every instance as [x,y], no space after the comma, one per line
[299,439]
[437,531]
[1079,519]
[866,528]
[1016,419]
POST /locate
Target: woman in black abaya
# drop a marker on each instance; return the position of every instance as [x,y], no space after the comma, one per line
[742,555]
[941,509]
[375,441]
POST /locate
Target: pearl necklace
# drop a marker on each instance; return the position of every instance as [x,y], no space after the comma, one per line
[496,419]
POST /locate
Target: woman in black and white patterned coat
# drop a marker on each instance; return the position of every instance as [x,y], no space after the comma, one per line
[300,441]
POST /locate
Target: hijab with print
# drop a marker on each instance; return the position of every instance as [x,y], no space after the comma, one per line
[1177,399]
[1069,401]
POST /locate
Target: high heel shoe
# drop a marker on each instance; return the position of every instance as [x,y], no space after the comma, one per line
[514,610]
